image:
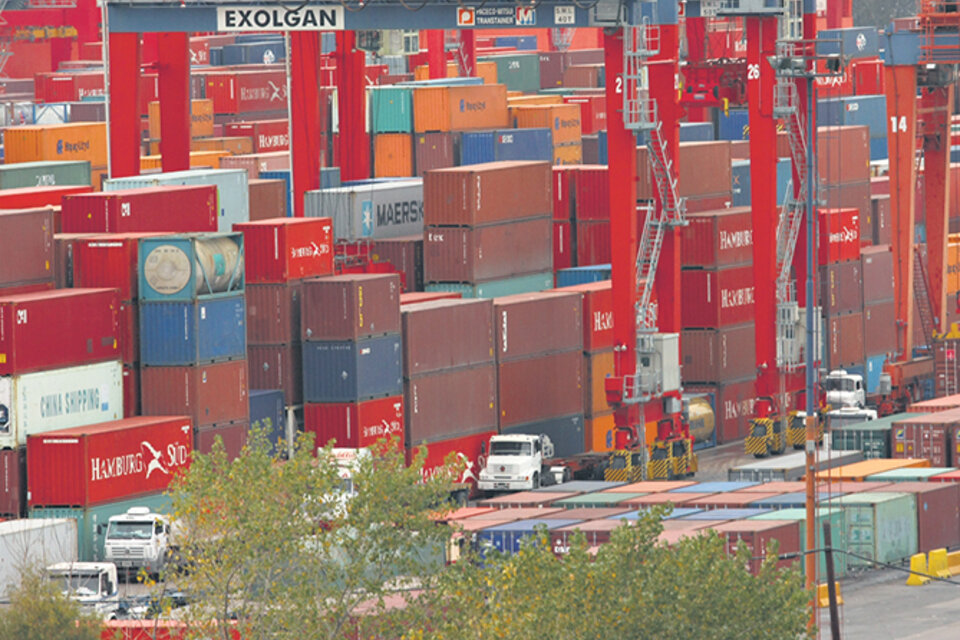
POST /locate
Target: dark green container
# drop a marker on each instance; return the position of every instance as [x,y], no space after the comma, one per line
[872,438]
[44,174]
[520,72]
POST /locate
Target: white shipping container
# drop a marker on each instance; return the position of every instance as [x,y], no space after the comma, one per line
[377,210]
[34,543]
[232,189]
[44,401]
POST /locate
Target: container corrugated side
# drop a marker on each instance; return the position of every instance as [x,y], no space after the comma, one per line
[444,334]
[49,172]
[185,333]
[479,254]
[375,210]
[348,371]
[209,394]
[881,526]
[538,323]
[468,393]
[350,307]
[486,193]
[268,412]
[496,288]
[27,243]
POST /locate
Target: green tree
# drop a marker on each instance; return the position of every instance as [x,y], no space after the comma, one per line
[278,549]
[38,611]
[631,587]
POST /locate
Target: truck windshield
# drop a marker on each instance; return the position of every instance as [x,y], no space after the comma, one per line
[837,422]
[839,384]
[78,583]
[759,430]
[511,449]
[130,530]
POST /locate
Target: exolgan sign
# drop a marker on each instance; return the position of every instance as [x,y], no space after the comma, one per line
[278,18]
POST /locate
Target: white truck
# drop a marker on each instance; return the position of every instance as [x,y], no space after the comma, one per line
[140,539]
[837,418]
[521,462]
[93,585]
[844,389]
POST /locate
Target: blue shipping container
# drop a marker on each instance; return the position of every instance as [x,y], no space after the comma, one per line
[583,275]
[855,42]
[329,178]
[351,371]
[267,412]
[196,332]
[521,43]
[735,125]
[475,147]
[794,500]
[507,538]
[523,144]
[874,369]
[566,433]
[955,153]
[784,179]
[869,111]
[740,179]
[696,131]
[216,56]
[602,146]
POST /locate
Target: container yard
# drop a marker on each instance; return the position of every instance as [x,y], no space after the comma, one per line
[704,257]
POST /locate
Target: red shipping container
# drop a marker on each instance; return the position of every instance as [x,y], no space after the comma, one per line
[13,483]
[199,51]
[233,435]
[531,324]
[877,269]
[593,242]
[405,254]
[591,198]
[593,112]
[843,154]
[539,388]
[31,197]
[562,247]
[433,151]
[839,235]
[247,91]
[879,328]
[733,405]
[355,424]
[350,307]
[841,288]
[845,340]
[757,535]
[170,209]
[129,320]
[446,334]
[472,449]
[564,177]
[273,313]
[131,390]
[254,163]
[469,393]
[867,76]
[718,238]
[717,298]
[478,254]
[268,198]
[481,194]
[282,249]
[704,170]
[109,260]
[55,329]
[108,461]
[16,290]
[718,355]
[209,394]
[597,308]
[268,135]
[27,244]
[929,436]
[938,513]
[416,297]
[277,367]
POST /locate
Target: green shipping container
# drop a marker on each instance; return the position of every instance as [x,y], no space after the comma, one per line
[391,109]
[872,438]
[596,500]
[44,174]
[497,288]
[92,521]
[909,475]
[833,515]
[520,72]
[880,526]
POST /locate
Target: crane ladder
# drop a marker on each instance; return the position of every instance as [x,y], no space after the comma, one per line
[922,297]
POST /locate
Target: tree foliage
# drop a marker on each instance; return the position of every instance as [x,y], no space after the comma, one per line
[38,611]
[274,548]
[632,587]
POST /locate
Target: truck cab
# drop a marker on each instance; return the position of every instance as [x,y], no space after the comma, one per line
[844,389]
[92,584]
[517,463]
[138,539]
[849,415]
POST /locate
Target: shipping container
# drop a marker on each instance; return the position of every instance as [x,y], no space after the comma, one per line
[268,199]
[355,424]
[599,432]
[106,462]
[282,249]
[393,155]
[405,254]
[445,334]
[273,313]
[931,436]
[832,515]
[473,147]
[35,197]
[55,329]
[352,370]
[466,394]
[47,142]
[839,235]
[593,111]
[246,91]
[518,71]
[757,535]
[845,340]
[483,194]
[460,108]
[233,436]
[704,170]
[717,298]
[209,394]
[597,367]
[478,254]
[45,173]
[371,210]
[13,483]
[840,287]
[523,144]
[583,275]
[597,308]
[562,120]
[28,246]
[278,367]
[880,526]
[255,163]
[879,329]
[877,270]
[593,242]
[934,405]
[718,238]
[733,404]
[351,307]
[187,333]
[496,288]
[792,467]
[391,109]
[858,471]
[268,413]
[109,260]
[843,154]
[539,388]
[471,449]
[435,150]
[268,136]
[187,267]
[537,323]
[509,538]
[718,355]
[201,119]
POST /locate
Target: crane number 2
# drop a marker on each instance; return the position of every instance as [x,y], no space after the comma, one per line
[619,88]
[898,124]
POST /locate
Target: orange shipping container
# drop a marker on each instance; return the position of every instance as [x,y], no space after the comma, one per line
[235,146]
[197,159]
[76,141]
[858,471]
[460,108]
[486,71]
[953,267]
[201,119]
[393,155]
[599,432]
[563,120]
[523,100]
[568,154]
[596,368]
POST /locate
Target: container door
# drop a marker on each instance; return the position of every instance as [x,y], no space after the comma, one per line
[860,533]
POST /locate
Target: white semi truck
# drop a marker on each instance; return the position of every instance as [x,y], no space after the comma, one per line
[93,585]
[140,539]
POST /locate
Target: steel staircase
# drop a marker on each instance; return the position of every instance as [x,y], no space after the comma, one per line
[921,295]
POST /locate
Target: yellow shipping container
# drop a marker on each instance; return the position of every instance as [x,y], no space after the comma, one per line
[953,266]
[858,471]
[197,159]
[75,141]
[599,432]
[523,100]
[201,119]
[393,155]
[487,71]
[568,154]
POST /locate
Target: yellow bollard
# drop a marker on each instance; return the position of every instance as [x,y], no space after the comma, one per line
[953,563]
[937,565]
[823,595]
[918,568]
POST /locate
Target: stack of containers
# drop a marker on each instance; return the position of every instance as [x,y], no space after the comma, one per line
[861,110]
[59,368]
[48,142]
[597,306]
[704,179]
[932,436]
[487,229]
[591,213]
[539,352]
[92,473]
[879,312]
[280,253]
[352,378]
[843,158]
[563,122]
[370,210]
[718,349]
[563,222]
[406,256]
[450,380]
[193,334]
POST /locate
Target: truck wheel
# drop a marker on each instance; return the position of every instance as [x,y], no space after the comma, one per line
[536,480]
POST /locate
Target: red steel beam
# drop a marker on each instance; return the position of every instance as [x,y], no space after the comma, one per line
[467,53]
[696,52]
[173,67]
[354,147]
[937,104]
[305,111]
[436,57]
[124,126]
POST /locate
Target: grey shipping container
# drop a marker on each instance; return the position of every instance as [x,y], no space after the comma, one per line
[566,433]
[43,174]
[790,467]
[390,209]
[349,371]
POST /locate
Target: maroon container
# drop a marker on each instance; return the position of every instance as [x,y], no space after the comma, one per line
[481,194]
[169,209]
[273,313]
[406,256]
[236,92]
[209,394]
[843,154]
[55,329]
[539,388]
[131,390]
[845,340]
[704,167]
[254,163]
[433,151]
[881,224]
[597,314]
[26,243]
[591,192]
[268,199]
[733,405]
[938,513]
[593,243]
[350,307]
[877,269]
[355,424]
[470,394]
[463,254]
[879,328]
[841,288]
[928,436]
[717,297]
[13,483]
[269,136]
[851,196]
[562,247]
[701,204]
[64,247]
[718,238]
[757,536]
[277,367]
[538,323]
[552,65]
[718,355]
[109,260]
[234,437]
[444,334]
